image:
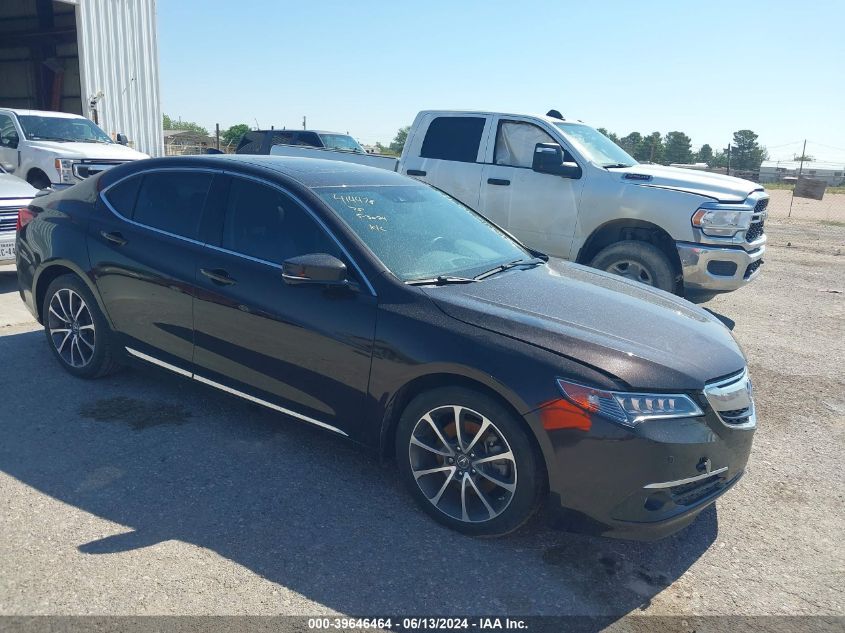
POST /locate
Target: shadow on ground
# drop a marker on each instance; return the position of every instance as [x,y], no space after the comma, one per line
[172,460]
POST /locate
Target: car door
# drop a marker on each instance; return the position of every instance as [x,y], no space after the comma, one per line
[143,249]
[9,141]
[449,155]
[304,350]
[540,209]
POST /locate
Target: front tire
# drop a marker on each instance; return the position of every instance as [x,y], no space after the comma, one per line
[76,329]
[639,261]
[469,462]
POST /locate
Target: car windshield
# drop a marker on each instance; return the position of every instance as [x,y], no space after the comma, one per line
[595,145]
[418,232]
[64,129]
[341,141]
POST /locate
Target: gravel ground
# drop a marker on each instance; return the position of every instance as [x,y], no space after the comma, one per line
[144,494]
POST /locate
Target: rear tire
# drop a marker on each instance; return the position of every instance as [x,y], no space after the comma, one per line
[76,329]
[480,476]
[639,261]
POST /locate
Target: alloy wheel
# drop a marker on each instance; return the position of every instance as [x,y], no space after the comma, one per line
[462,463]
[71,328]
[631,270]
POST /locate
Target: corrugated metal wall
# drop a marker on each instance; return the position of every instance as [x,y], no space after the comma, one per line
[118,55]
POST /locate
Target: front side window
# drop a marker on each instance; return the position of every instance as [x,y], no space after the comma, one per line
[62,129]
[172,201]
[515,143]
[264,223]
[453,138]
[8,133]
[418,232]
[308,139]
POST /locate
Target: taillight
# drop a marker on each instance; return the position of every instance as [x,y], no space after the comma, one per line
[25,216]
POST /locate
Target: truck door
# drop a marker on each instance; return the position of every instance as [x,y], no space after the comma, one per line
[449,155]
[9,140]
[539,209]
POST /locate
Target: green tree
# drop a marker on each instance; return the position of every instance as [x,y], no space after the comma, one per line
[631,143]
[233,134]
[705,154]
[746,152]
[677,148]
[397,145]
[650,149]
[169,123]
[609,135]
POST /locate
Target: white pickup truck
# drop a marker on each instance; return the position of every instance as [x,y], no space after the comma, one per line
[55,148]
[563,188]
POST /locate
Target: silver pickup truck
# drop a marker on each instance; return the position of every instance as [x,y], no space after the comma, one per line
[563,188]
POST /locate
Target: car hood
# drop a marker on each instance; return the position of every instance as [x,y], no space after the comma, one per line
[14,187]
[647,338]
[716,186]
[98,151]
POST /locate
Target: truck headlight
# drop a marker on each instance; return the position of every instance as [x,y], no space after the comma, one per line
[629,408]
[65,168]
[721,222]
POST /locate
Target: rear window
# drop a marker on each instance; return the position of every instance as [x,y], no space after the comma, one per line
[453,138]
[172,201]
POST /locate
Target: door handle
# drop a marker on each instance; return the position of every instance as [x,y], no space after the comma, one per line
[415,172]
[115,238]
[498,181]
[220,277]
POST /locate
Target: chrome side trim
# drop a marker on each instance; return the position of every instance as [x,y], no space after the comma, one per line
[688,480]
[269,405]
[235,392]
[160,363]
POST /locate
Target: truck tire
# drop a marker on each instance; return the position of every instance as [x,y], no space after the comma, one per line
[639,261]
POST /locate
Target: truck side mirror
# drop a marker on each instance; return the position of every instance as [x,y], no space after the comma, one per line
[548,159]
[121,138]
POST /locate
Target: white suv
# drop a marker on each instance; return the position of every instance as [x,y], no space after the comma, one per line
[55,148]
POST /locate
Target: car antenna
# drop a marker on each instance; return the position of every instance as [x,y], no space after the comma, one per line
[555,114]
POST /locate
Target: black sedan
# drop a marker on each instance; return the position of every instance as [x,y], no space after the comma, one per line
[380,309]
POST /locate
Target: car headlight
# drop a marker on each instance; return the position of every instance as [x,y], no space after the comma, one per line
[629,408]
[65,168]
[721,222]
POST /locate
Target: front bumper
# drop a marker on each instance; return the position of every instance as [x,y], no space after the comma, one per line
[708,268]
[647,482]
[7,248]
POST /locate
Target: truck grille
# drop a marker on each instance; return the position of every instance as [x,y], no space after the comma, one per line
[87,168]
[756,229]
[8,220]
[761,205]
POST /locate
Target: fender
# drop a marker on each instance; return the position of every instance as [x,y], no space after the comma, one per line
[52,264]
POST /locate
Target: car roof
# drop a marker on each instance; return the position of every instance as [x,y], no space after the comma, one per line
[308,172]
[61,115]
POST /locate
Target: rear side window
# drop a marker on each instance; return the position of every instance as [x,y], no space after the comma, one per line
[122,196]
[264,223]
[282,138]
[453,138]
[308,138]
[172,201]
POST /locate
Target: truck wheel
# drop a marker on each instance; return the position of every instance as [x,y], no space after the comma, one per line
[38,179]
[468,462]
[639,261]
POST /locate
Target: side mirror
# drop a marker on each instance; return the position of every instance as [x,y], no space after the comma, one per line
[11,141]
[121,138]
[315,269]
[548,159]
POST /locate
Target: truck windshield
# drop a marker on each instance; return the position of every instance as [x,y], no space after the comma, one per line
[595,145]
[341,141]
[66,130]
[418,232]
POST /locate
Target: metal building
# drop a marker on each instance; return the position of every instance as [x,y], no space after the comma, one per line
[98,58]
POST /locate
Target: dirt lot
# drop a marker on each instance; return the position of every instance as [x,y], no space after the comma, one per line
[142,494]
[830,209]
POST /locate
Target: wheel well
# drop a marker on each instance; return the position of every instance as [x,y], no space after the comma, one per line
[36,171]
[628,229]
[433,381]
[44,281]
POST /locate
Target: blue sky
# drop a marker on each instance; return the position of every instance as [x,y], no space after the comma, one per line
[367,66]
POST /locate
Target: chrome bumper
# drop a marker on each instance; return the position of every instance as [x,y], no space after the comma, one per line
[717,268]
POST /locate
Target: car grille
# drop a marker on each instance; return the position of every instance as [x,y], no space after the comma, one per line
[691,493]
[8,220]
[752,267]
[755,230]
[732,400]
[736,416]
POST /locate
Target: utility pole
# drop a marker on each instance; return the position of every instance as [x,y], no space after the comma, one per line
[728,150]
[303,122]
[800,171]
[217,133]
